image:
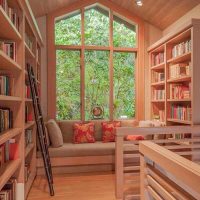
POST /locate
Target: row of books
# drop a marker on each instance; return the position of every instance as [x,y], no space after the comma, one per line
[28,114]
[6,119]
[28,136]
[180,91]
[6,85]
[9,48]
[11,12]
[158,94]
[8,151]
[158,76]
[8,192]
[29,42]
[158,58]
[181,136]
[181,112]
[181,48]
[179,70]
[27,91]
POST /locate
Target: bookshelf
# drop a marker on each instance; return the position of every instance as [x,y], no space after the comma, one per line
[174,68]
[20,44]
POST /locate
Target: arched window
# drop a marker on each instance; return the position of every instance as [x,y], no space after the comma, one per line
[96,51]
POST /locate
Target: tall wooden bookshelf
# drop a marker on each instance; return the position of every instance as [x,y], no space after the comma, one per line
[175,58]
[25,36]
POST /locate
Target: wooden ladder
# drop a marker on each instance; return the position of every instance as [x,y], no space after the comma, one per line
[40,128]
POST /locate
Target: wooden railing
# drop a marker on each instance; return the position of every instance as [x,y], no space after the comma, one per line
[166,175]
[127,163]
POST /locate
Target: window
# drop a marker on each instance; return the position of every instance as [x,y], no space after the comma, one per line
[95,67]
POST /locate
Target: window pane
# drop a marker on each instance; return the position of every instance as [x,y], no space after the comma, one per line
[124,85]
[124,33]
[68,30]
[68,84]
[96,82]
[97,26]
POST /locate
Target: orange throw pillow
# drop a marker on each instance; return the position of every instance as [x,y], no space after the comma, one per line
[83,133]
[134,137]
[108,130]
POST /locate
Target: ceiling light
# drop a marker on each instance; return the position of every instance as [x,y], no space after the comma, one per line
[139,2]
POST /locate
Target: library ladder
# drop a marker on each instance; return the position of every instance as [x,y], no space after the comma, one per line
[40,128]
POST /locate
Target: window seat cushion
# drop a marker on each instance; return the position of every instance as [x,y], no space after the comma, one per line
[84,149]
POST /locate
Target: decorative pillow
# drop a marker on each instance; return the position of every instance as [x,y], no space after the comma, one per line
[108,130]
[83,133]
[134,137]
[55,134]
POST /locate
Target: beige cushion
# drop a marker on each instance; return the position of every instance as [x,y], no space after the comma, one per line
[55,134]
[84,149]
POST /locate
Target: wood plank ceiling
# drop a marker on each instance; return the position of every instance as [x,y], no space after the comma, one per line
[160,13]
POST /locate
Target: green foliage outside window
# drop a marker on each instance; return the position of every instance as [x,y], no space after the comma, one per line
[68,32]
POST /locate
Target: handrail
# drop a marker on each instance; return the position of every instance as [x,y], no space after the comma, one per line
[126,151]
[182,169]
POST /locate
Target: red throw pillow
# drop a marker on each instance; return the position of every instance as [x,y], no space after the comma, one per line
[108,130]
[134,137]
[83,133]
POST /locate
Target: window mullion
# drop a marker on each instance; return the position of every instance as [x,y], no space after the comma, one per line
[82,86]
[111,66]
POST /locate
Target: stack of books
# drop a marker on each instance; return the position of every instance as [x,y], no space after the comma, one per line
[181,48]
[158,76]
[158,94]
[6,119]
[27,91]
[11,12]
[6,85]
[180,91]
[8,151]
[179,70]
[181,112]
[9,190]
[158,58]
[28,115]
[9,48]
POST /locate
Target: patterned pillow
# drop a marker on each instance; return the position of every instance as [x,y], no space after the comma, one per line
[108,130]
[134,137]
[83,133]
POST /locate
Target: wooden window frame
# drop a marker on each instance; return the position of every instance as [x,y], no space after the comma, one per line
[139,51]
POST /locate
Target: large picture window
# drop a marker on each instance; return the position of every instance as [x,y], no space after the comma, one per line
[95,64]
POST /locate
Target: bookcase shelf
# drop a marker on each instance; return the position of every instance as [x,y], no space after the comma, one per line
[179,59]
[180,79]
[10,32]
[29,124]
[11,133]
[8,170]
[179,121]
[27,100]
[179,100]
[159,66]
[158,83]
[10,98]
[180,71]
[8,63]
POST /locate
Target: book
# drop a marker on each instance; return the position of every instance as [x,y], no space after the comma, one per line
[6,119]
[181,112]
[13,150]
[9,48]
[158,76]
[180,91]
[181,48]
[28,136]
[157,58]
[6,85]
[158,94]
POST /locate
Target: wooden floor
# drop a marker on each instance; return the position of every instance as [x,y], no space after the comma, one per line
[86,186]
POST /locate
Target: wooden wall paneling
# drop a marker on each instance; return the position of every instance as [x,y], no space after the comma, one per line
[51,72]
